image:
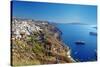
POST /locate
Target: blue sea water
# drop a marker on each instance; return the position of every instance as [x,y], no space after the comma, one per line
[78,32]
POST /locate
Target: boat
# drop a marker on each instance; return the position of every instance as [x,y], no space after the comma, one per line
[80,42]
[92,33]
[95,27]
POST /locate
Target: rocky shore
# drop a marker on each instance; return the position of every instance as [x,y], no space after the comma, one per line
[37,42]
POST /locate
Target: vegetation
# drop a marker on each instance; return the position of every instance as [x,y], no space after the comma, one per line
[40,47]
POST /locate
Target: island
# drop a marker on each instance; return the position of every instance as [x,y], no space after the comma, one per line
[37,42]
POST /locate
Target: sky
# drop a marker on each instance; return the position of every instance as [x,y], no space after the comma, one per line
[54,12]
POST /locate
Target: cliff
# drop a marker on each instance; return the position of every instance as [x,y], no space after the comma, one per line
[37,42]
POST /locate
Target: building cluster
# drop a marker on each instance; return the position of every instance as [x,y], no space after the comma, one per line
[22,28]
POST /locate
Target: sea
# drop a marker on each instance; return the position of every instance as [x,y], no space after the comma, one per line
[71,33]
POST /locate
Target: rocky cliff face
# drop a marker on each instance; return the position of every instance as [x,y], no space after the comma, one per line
[37,42]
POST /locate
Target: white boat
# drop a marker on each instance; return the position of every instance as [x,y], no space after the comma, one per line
[80,42]
[92,33]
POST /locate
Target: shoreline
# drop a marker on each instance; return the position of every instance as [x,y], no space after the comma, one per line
[63,44]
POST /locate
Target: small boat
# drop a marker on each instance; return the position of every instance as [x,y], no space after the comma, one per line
[95,27]
[80,42]
[93,33]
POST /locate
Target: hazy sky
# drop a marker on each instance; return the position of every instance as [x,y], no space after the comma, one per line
[60,13]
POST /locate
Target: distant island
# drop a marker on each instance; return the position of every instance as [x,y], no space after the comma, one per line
[77,23]
[37,42]
[74,23]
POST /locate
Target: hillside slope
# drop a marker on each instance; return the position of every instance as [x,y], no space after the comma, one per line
[37,42]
